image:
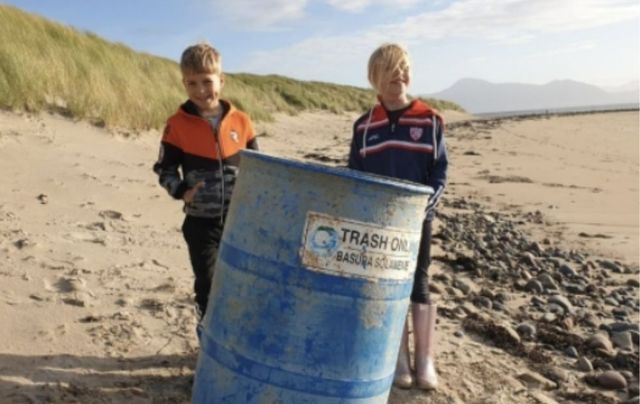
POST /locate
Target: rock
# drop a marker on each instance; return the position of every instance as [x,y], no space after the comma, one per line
[619,326]
[611,301]
[547,281]
[619,313]
[501,297]
[534,286]
[536,248]
[458,334]
[622,340]
[526,331]
[535,380]
[482,301]
[549,317]
[462,286]
[556,309]
[601,364]
[627,374]
[611,380]
[575,288]
[562,301]
[612,266]
[584,365]
[567,271]
[487,293]
[529,259]
[571,352]
[435,288]
[633,282]
[600,341]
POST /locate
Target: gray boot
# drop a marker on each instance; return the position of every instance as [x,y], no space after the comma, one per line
[424,329]
[403,378]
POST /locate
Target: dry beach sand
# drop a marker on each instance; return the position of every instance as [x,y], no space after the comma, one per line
[535,260]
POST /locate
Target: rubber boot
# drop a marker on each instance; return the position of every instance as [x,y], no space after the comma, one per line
[424,328]
[403,378]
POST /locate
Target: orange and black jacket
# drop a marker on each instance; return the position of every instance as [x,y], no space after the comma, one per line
[194,149]
[411,148]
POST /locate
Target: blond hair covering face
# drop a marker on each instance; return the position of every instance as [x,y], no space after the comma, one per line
[384,61]
[201,58]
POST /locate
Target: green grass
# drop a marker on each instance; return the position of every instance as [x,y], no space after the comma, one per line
[49,66]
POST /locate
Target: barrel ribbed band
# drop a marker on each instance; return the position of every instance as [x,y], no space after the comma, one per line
[307,383]
[290,275]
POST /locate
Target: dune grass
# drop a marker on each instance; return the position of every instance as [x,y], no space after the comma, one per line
[49,66]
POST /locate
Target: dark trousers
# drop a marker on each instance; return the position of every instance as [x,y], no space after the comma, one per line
[203,237]
[420,291]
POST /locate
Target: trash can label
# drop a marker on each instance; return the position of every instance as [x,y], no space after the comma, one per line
[349,248]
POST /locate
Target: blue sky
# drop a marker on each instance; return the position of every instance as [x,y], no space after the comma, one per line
[528,41]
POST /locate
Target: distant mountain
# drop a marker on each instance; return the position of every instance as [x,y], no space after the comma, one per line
[626,87]
[480,96]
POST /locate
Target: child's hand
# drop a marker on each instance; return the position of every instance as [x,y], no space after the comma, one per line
[188,196]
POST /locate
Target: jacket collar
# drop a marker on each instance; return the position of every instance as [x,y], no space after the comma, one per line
[190,109]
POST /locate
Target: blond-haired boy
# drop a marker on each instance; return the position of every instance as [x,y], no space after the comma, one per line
[404,139]
[199,156]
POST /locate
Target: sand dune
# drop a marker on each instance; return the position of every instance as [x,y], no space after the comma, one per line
[96,284]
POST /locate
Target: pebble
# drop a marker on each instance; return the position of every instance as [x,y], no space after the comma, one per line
[599,341]
[534,286]
[567,271]
[526,330]
[459,334]
[562,301]
[547,281]
[611,380]
[584,365]
[571,352]
[611,301]
[462,286]
[536,380]
[483,301]
[575,288]
[622,340]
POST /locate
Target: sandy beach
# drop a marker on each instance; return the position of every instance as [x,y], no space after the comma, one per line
[535,260]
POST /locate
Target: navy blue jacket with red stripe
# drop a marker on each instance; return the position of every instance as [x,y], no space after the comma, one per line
[413,149]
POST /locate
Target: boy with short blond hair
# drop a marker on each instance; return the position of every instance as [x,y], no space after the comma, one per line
[199,156]
[404,139]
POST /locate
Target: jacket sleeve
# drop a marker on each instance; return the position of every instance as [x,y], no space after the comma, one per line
[355,159]
[252,138]
[437,173]
[169,161]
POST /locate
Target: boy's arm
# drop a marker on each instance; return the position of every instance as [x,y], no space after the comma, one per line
[252,142]
[438,172]
[166,167]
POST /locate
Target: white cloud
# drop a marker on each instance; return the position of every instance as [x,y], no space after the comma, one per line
[504,20]
[342,58]
[356,6]
[254,15]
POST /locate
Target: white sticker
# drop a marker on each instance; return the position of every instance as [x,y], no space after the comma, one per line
[350,248]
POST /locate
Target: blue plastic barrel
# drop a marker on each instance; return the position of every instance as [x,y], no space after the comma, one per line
[311,287]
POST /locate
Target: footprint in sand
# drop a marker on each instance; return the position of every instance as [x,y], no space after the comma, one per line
[74,289]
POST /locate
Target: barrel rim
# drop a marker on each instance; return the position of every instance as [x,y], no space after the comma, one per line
[390,182]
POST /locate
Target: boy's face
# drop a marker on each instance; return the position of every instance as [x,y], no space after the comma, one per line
[204,89]
[394,84]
